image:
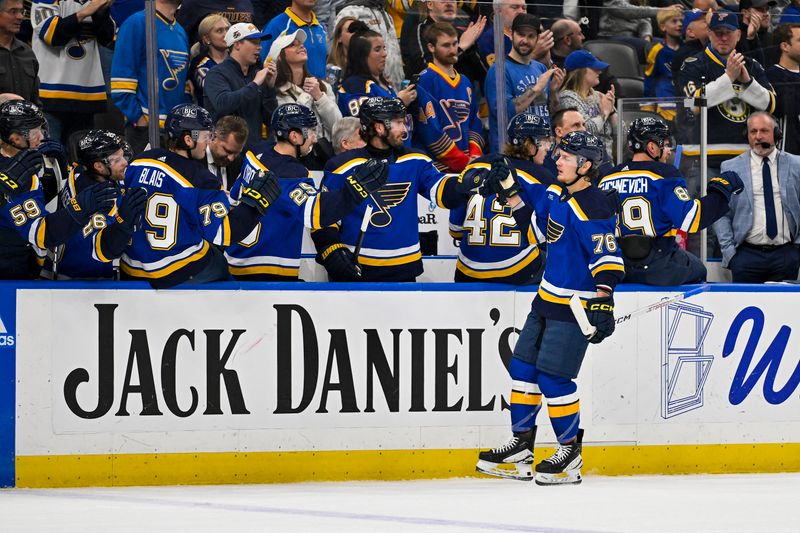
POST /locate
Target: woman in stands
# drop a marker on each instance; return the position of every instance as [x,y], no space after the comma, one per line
[211,51]
[341,40]
[596,108]
[366,59]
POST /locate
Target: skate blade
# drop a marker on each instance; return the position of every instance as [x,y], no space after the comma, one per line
[518,471]
[569,477]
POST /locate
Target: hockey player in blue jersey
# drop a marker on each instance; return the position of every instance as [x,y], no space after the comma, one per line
[655,202]
[92,252]
[496,245]
[188,215]
[26,229]
[583,260]
[388,246]
[272,250]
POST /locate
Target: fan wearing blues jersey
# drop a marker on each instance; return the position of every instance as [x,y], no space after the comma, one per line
[271,252]
[495,244]
[379,239]
[655,203]
[92,253]
[26,229]
[188,216]
[583,260]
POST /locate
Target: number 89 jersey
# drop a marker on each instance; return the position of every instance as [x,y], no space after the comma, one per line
[186,211]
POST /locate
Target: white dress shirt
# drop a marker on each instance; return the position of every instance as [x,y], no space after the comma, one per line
[758,233]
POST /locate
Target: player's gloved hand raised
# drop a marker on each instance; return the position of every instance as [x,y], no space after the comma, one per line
[17,173]
[600,312]
[99,198]
[340,263]
[728,183]
[131,208]
[471,179]
[262,191]
[367,178]
[501,180]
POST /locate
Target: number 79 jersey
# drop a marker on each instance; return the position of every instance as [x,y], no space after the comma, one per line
[186,211]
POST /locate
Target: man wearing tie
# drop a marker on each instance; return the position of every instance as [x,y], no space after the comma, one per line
[759,235]
[224,152]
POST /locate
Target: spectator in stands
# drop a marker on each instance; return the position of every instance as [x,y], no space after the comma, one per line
[212,50]
[791,13]
[373,13]
[364,77]
[294,84]
[341,41]
[658,74]
[566,120]
[193,12]
[695,34]
[129,71]
[509,11]
[568,37]
[300,16]
[347,136]
[17,60]
[785,78]
[412,42]
[447,125]
[240,85]
[623,21]
[224,152]
[530,85]
[597,109]
[65,42]
[754,24]
[759,236]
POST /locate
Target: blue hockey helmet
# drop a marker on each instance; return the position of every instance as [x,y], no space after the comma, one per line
[288,117]
[98,145]
[187,118]
[584,145]
[645,129]
[528,126]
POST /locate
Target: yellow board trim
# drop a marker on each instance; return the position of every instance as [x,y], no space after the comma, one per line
[291,467]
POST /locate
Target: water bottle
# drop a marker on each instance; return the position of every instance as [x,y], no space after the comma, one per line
[333,75]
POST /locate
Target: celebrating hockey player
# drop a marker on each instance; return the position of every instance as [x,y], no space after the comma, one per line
[92,252]
[655,202]
[26,230]
[583,260]
[272,250]
[496,245]
[187,215]
[389,240]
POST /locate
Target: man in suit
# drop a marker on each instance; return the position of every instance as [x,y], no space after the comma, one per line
[224,153]
[759,235]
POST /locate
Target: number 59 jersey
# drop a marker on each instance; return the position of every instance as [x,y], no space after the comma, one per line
[186,211]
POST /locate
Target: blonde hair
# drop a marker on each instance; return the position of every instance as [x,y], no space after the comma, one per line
[338,56]
[209,22]
[574,82]
[667,13]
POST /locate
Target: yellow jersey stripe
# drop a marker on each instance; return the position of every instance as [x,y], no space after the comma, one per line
[525,399]
[558,411]
[264,269]
[374,261]
[166,271]
[487,274]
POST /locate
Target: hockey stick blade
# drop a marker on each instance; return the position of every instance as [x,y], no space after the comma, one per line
[579,313]
[661,303]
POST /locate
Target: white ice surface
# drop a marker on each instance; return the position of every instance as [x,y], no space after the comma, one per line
[724,503]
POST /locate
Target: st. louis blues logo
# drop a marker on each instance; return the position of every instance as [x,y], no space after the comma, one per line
[554,230]
[386,198]
[175,61]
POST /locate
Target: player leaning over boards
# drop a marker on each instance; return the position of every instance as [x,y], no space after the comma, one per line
[655,202]
[272,250]
[188,215]
[390,248]
[496,245]
[26,229]
[582,259]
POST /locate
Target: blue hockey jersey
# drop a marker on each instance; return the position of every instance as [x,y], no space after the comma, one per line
[655,202]
[582,252]
[186,212]
[273,248]
[356,89]
[447,124]
[129,68]
[493,246]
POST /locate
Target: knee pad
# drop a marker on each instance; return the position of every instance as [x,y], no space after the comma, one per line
[522,371]
[556,386]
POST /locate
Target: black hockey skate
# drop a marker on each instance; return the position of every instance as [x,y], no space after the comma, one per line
[512,460]
[564,466]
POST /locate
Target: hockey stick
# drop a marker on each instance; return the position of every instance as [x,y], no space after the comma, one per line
[587,329]
[364,226]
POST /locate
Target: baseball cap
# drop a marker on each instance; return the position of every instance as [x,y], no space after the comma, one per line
[526,20]
[746,4]
[583,59]
[243,30]
[724,19]
[283,41]
[691,16]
